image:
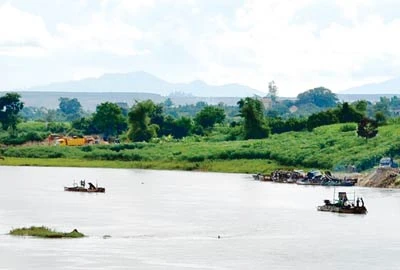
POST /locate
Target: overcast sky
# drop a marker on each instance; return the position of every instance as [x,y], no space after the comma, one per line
[300,44]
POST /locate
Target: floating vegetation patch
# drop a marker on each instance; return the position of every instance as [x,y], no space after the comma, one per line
[45,232]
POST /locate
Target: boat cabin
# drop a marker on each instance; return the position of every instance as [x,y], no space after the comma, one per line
[387,162]
[343,205]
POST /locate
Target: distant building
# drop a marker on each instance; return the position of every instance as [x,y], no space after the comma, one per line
[293,109]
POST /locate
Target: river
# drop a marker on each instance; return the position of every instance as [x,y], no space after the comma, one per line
[171,220]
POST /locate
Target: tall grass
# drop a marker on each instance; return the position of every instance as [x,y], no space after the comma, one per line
[327,147]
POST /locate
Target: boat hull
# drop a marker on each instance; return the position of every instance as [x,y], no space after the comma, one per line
[88,190]
[344,210]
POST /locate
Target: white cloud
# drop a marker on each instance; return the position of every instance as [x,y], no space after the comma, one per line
[24,34]
[101,35]
[129,6]
[250,42]
[21,33]
[298,57]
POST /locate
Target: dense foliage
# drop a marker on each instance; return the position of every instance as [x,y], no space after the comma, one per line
[109,120]
[321,97]
[329,147]
[255,126]
[10,105]
[70,108]
[326,138]
[367,128]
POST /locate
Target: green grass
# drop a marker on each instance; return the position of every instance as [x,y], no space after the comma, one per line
[33,126]
[45,232]
[329,147]
[231,166]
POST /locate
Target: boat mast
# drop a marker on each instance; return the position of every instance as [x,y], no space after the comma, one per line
[334,191]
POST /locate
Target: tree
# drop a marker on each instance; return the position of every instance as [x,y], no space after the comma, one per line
[321,97]
[346,113]
[367,128]
[168,103]
[361,106]
[178,128]
[272,91]
[141,128]
[200,104]
[71,108]
[383,106]
[322,118]
[278,125]
[209,116]
[380,118]
[157,115]
[10,106]
[183,127]
[109,120]
[85,125]
[58,127]
[252,110]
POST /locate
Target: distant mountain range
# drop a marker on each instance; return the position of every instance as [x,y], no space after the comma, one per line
[142,82]
[387,87]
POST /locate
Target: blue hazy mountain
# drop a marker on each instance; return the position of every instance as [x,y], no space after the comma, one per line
[142,82]
[387,87]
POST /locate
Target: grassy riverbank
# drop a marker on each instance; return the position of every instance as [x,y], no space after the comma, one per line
[45,232]
[230,166]
[329,147]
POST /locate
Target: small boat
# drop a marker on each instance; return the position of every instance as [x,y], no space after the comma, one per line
[344,205]
[82,188]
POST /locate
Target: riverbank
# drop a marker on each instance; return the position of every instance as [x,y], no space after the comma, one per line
[382,177]
[328,147]
[379,177]
[227,166]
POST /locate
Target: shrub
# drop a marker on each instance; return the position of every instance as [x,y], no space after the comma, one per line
[348,127]
[34,136]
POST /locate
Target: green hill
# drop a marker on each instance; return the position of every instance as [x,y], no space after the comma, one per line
[328,147]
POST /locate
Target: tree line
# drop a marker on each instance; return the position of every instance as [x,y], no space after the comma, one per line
[250,119]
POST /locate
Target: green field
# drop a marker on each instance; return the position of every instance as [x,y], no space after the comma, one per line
[329,147]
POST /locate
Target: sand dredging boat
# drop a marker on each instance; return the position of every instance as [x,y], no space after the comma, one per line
[313,177]
[344,205]
[82,187]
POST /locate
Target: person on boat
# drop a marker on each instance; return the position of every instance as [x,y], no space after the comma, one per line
[91,186]
[83,183]
[358,202]
[362,202]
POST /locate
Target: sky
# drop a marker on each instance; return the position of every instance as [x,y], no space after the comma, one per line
[299,44]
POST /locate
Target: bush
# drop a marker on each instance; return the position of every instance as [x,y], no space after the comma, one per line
[9,140]
[35,152]
[34,136]
[125,155]
[348,127]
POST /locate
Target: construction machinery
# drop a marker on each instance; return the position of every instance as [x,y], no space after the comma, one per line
[71,141]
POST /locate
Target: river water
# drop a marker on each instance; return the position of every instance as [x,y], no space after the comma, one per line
[171,220]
